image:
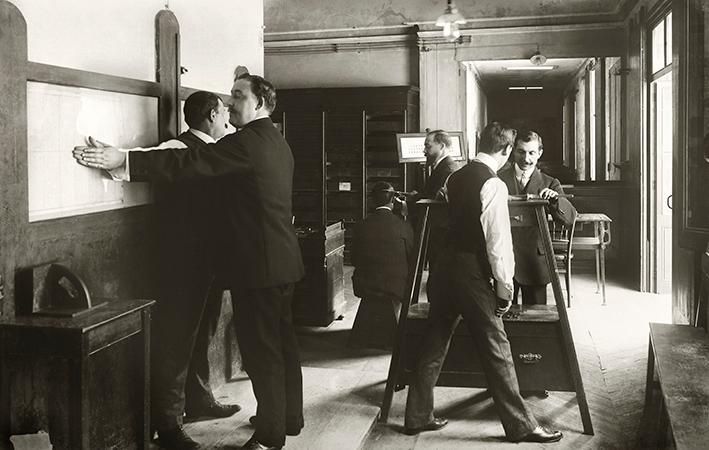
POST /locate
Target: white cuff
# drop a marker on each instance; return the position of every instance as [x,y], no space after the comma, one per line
[504,291]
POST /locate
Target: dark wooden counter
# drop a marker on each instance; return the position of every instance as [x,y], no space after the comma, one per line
[85,380]
[680,356]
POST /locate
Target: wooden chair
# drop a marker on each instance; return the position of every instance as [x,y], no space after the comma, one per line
[561,240]
[600,240]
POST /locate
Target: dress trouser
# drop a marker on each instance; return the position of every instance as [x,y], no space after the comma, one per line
[461,289]
[198,392]
[269,350]
[532,294]
[183,285]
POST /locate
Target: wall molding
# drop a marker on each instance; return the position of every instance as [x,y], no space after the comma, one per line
[433,36]
[406,36]
[341,44]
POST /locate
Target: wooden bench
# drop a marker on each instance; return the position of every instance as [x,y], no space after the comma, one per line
[679,354]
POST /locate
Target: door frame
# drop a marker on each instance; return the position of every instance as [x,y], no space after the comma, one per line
[648,173]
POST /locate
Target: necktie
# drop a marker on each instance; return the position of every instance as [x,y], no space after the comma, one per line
[522,183]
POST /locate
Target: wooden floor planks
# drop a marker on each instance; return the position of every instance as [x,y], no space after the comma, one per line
[343,387]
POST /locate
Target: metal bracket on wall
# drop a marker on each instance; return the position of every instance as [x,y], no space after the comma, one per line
[622,71]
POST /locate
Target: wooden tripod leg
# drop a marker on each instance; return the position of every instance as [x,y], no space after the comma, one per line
[568,343]
[397,356]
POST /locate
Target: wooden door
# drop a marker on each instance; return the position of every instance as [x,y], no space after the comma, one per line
[661,140]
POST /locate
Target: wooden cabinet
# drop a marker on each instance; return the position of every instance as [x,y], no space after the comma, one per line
[319,298]
[85,380]
[343,141]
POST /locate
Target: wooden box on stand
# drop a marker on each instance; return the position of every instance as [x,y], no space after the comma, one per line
[319,298]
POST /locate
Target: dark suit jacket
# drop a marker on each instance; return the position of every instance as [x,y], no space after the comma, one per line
[438,177]
[185,212]
[253,169]
[439,220]
[383,248]
[530,260]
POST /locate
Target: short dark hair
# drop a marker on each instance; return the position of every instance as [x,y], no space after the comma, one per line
[529,136]
[440,137]
[262,90]
[382,193]
[198,106]
[495,137]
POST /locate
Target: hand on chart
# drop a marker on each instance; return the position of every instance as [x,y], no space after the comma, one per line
[549,194]
[502,306]
[99,155]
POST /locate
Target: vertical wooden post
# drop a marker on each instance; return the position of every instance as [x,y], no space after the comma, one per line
[565,328]
[13,145]
[414,283]
[167,43]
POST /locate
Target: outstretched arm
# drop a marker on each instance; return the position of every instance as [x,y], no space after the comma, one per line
[560,208]
[104,156]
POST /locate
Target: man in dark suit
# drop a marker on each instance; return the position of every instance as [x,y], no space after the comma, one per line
[188,299]
[482,250]
[383,247]
[436,147]
[253,169]
[523,177]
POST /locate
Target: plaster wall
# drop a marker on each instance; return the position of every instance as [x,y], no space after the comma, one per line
[118,38]
[113,251]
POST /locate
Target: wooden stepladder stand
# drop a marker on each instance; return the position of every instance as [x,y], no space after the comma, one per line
[540,335]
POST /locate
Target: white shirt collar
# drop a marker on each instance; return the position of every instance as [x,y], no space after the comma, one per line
[526,174]
[488,160]
[383,207]
[207,139]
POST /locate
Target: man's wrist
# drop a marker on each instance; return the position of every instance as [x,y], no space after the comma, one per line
[504,290]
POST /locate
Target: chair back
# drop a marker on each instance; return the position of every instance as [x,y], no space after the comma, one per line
[562,237]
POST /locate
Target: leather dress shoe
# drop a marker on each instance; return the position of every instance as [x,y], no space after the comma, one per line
[253,444]
[541,435]
[215,409]
[289,431]
[176,439]
[436,424]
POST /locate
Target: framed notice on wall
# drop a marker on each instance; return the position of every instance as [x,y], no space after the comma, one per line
[410,146]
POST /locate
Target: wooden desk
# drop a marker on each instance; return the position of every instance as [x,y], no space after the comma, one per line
[598,242]
[681,355]
[84,380]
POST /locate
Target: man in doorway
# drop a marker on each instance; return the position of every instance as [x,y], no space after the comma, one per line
[482,250]
[523,177]
[253,169]
[189,297]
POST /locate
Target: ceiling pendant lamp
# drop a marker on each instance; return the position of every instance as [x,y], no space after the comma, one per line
[450,20]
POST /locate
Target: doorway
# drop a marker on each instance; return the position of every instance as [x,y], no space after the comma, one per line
[660,156]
